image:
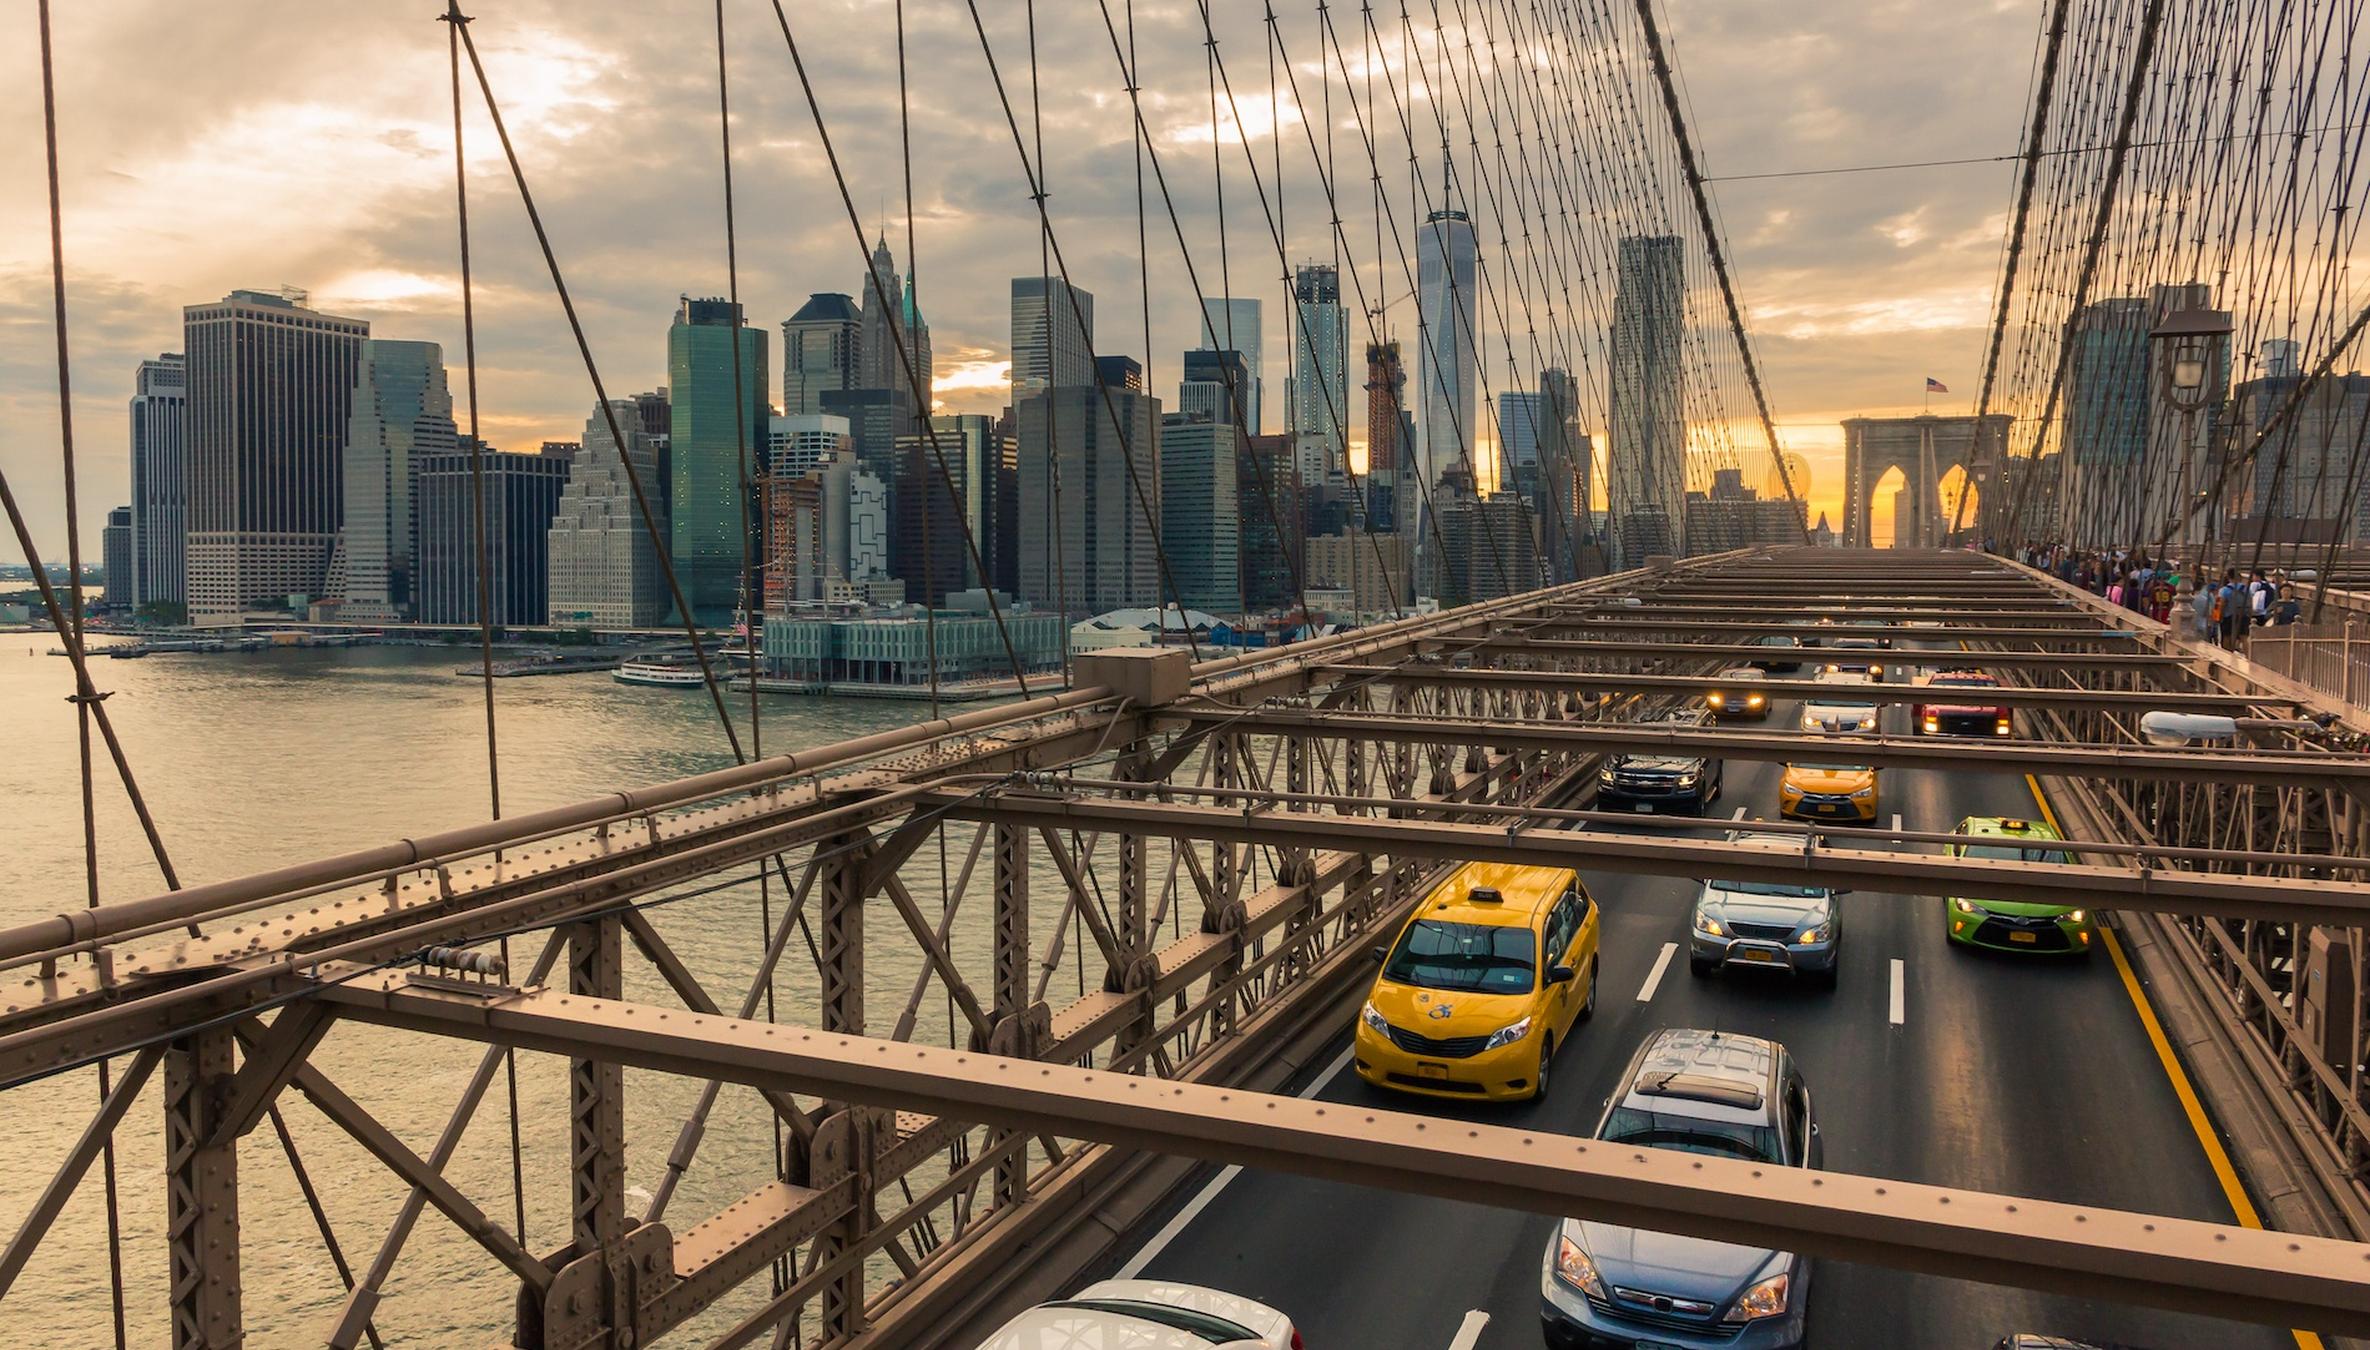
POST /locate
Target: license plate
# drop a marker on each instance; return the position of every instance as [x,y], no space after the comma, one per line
[1758,955]
[1641,807]
[2024,937]
[1432,1070]
[1830,809]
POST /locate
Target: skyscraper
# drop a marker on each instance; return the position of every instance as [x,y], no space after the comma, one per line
[1087,540]
[403,410]
[1559,490]
[1041,307]
[522,493]
[1232,325]
[1646,450]
[794,445]
[115,560]
[270,386]
[1320,374]
[928,546]
[890,308]
[708,512]
[1448,271]
[1199,495]
[1391,495]
[1216,383]
[1270,557]
[160,481]
[820,347]
[1522,426]
[602,562]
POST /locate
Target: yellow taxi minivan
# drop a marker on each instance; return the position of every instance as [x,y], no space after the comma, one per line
[1490,975]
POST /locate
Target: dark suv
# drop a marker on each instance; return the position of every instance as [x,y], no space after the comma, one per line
[1660,781]
[1711,1092]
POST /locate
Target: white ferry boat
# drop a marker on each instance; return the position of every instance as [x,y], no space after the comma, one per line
[680,672]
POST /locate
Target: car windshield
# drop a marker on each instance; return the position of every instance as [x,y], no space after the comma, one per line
[1656,1129]
[1474,957]
[1841,703]
[1966,682]
[1769,888]
[2005,853]
[1833,768]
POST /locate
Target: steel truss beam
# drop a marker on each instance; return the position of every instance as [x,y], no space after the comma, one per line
[1509,643]
[2214,1269]
[2229,895]
[1953,755]
[1436,674]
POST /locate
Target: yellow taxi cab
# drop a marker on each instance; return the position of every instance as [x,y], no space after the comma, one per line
[1844,792]
[1492,973]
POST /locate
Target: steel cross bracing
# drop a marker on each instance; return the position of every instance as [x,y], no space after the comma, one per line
[1213,850]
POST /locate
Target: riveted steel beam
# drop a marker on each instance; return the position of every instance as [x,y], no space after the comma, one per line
[1955,755]
[2230,895]
[2215,1269]
[1433,673]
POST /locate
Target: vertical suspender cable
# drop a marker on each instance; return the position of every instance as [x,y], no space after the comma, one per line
[84,698]
[454,19]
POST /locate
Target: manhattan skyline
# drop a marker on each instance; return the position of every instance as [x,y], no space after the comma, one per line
[176,198]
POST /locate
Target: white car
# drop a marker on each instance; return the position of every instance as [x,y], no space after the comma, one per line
[1148,1315]
[1830,705]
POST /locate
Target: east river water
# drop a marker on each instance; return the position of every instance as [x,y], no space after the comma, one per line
[254,761]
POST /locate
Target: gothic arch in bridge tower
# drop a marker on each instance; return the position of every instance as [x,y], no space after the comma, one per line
[1924,449]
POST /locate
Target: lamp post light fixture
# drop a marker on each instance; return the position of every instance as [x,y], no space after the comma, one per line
[2184,344]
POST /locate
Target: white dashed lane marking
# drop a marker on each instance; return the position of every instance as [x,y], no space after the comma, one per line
[1900,1010]
[1469,1333]
[1654,978]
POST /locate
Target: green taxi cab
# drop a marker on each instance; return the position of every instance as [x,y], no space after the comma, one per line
[2010,926]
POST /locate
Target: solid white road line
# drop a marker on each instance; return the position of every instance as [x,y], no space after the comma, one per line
[1183,1219]
[1469,1332]
[1654,978]
[1740,814]
[1899,1010]
[1896,822]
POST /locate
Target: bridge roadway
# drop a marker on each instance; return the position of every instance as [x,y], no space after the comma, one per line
[2027,1077]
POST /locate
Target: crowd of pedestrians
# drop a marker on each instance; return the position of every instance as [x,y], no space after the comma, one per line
[2217,609]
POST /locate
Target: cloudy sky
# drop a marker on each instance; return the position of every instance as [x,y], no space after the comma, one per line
[272,143]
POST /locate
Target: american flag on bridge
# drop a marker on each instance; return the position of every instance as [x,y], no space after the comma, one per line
[1934,386]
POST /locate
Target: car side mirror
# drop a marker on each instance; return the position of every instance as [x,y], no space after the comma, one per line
[1814,1129]
[1380,955]
[1561,975]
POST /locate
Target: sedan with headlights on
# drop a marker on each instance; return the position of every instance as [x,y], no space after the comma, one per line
[1766,925]
[1743,695]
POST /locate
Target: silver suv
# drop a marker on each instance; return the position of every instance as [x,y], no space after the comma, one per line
[1766,925]
[1699,1092]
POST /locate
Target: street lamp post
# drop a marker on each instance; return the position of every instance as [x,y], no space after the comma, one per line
[2183,346]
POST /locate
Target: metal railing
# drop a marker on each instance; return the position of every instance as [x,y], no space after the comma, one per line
[2333,658]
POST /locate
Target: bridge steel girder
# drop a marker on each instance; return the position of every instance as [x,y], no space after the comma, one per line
[2213,1269]
[1618,622]
[1510,643]
[2015,696]
[1949,755]
[201,1177]
[2228,895]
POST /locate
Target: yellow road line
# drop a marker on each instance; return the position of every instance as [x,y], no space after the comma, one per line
[2217,1157]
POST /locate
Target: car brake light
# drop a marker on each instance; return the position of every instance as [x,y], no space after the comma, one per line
[1297,1343]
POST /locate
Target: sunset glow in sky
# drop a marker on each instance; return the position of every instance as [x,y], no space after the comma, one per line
[311,145]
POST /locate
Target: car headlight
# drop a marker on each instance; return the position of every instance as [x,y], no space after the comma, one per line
[1604,774]
[1573,1267]
[1754,701]
[1715,698]
[1709,926]
[1933,724]
[1965,906]
[1876,672]
[1688,780]
[1809,936]
[1375,1020]
[1766,1299]
[1505,1036]
[2077,916]
[1864,792]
